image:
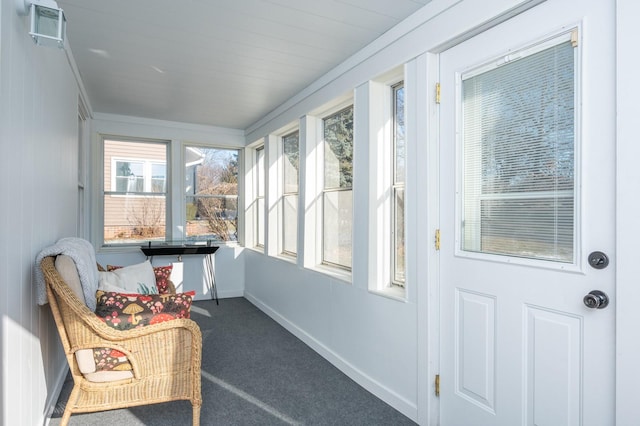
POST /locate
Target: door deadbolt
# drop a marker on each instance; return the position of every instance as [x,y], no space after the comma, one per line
[596,299]
[598,260]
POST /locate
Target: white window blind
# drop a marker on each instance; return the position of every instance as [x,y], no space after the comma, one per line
[518,152]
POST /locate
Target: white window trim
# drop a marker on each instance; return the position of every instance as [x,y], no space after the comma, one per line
[380,174]
[311,188]
[276,147]
[97,212]
[576,266]
[257,184]
[179,209]
[393,185]
[251,196]
[176,210]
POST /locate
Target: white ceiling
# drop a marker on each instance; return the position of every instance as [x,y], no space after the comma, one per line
[218,62]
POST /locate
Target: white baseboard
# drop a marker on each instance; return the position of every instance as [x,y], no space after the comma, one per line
[55,393]
[398,402]
[221,295]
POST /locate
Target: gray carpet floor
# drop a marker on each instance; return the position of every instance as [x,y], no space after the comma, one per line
[254,372]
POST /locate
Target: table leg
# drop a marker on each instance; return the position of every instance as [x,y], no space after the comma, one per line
[211,278]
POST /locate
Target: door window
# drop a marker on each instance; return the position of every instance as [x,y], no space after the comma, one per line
[518,137]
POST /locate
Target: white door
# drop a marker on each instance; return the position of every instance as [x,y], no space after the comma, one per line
[527,190]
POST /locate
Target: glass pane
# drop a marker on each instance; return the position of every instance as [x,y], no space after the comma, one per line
[399,134]
[291,163]
[519,157]
[290,224]
[212,218]
[536,227]
[158,178]
[260,174]
[338,216]
[260,224]
[398,240]
[129,216]
[129,176]
[211,190]
[129,219]
[338,149]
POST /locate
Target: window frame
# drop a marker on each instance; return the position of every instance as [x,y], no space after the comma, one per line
[175,217]
[540,262]
[379,135]
[99,229]
[286,194]
[237,197]
[396,185]
[324,190]
[260,190]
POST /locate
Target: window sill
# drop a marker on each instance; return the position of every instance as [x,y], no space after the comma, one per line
[287,258]
[335,273]
[256,249]
[392,292]
[124,248]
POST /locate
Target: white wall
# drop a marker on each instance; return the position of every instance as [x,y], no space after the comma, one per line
[38,171]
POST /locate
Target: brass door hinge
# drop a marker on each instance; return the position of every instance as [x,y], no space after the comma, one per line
[437,384]
[437,242]
[437,93]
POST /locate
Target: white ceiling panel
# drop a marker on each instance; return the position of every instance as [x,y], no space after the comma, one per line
[217,62]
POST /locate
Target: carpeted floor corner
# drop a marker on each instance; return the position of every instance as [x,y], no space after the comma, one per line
[254,372]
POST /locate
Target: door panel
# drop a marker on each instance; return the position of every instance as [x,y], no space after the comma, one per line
[553,366]
[518,345]
[476,363]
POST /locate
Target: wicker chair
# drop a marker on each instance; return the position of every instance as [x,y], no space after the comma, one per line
[165,357]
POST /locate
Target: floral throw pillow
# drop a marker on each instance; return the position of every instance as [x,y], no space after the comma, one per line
[126,311]
[162,274]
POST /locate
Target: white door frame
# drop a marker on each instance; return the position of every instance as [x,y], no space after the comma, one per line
[627,224]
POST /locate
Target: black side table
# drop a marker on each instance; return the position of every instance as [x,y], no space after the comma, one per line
[168,249]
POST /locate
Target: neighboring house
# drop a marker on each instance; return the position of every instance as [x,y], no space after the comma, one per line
[194,158]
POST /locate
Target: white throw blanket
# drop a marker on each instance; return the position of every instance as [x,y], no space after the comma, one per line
[83,255]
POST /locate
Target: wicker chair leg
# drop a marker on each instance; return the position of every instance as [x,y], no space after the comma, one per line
[71,402]
[196,414]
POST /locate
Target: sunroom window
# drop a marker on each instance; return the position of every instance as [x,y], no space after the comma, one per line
[338,194]
[135,195]
[211,193]
[398,185]
[290,182]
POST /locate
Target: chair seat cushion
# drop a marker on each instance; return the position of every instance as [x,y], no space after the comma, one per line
[108,376]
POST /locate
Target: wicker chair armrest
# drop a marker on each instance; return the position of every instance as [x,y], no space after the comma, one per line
[111,334]
[146,347]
